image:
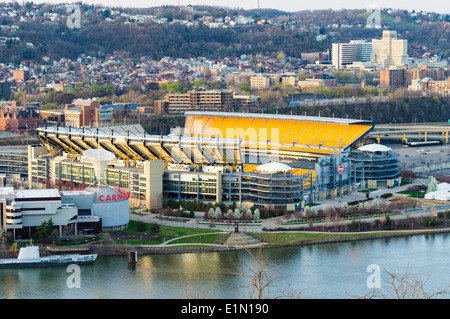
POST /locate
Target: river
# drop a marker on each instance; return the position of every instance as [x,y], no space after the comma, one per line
[328,271]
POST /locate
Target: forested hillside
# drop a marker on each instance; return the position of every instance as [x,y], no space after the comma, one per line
[272,31]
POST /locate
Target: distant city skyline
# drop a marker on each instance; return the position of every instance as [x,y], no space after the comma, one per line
[438,6]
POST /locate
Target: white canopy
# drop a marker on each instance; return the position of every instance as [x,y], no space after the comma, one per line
[374,148]
[442,192]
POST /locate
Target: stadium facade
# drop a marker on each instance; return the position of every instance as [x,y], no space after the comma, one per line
[247,158]
[380,166]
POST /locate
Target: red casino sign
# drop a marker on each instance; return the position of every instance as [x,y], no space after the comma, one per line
[122,195]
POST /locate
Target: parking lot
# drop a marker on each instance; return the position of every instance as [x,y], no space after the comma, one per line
[411,157]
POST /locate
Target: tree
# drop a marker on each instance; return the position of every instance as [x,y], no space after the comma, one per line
[3,237]
[45,233]
[217,212]
[256,214]
[237,213]
[432,184]
[344,207]
[261,276]
[405,286]
[154,228]
[211,213]
[281,56]
[141,226]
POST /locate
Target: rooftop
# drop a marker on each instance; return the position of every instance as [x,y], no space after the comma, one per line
[36,193]
[279,117]
[374,148]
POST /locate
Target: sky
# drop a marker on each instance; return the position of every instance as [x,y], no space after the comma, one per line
[439,6]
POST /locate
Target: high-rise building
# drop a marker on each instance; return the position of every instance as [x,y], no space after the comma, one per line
[393,78]
[5,91]
[21,75]
[346,53]
[389,51]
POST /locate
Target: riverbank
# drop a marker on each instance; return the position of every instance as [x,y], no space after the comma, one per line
[270,240]
[267,240]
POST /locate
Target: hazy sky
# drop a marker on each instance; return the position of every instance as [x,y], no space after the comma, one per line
[440,6]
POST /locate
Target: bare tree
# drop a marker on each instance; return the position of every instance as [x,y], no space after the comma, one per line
[406,286]
[261,276]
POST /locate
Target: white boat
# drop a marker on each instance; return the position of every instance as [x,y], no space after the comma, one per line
[29,257]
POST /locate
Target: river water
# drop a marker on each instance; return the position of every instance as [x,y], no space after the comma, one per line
[328,271]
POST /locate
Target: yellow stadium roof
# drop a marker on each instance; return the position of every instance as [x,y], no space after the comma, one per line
[286,133]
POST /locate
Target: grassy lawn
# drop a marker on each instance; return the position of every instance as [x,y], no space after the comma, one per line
[218,239]
[294,238]
[412,194]
[167,233]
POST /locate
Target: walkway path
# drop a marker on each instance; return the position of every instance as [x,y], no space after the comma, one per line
[275,222]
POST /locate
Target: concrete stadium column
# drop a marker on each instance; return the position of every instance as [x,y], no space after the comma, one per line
[349,189]
[332,193]
[219,187]
[30,156]
[154,171]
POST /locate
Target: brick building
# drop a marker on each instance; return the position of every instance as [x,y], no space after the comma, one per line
[198,99]
[80,112]
[21,75]
[393,78]
[436,74]
[19,120]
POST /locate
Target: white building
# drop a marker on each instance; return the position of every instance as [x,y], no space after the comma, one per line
[21,211]
[389,51]
[343,54]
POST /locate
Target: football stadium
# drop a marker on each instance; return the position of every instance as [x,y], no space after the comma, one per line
[247,158]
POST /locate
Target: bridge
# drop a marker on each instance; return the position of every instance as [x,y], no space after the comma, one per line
[410,133]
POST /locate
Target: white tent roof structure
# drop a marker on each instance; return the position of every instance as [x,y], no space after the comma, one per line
[442,192]
[374,148]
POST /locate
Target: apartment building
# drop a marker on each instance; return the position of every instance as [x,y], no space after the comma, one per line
[265,80]
[393,78]
[21,75]
[440,88]
[200,99]
[259,82]
[436,74]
